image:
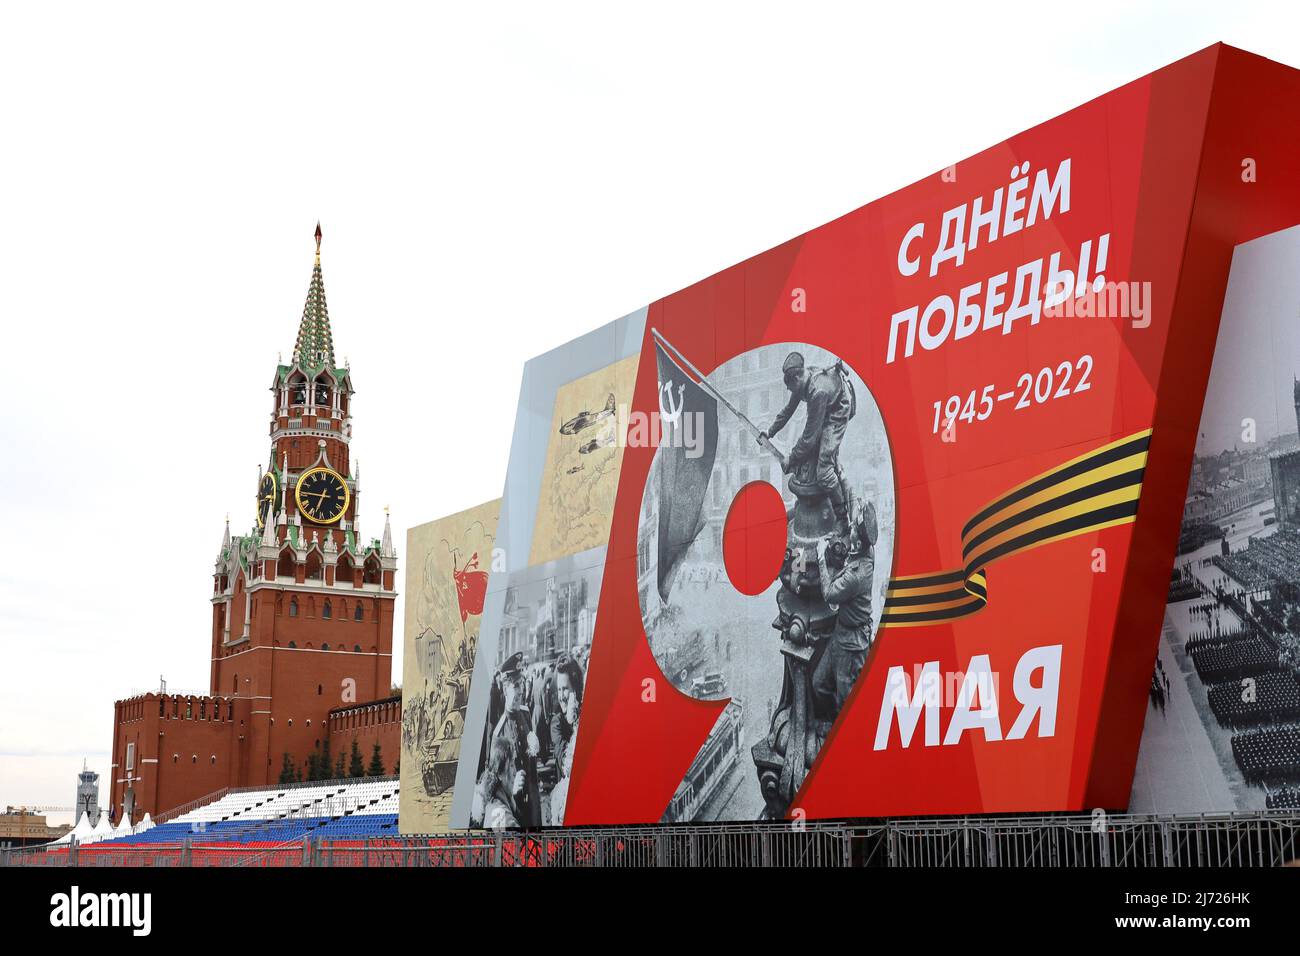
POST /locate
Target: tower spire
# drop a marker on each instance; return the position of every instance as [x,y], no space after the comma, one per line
[386,545]
[314,348]
[269,536]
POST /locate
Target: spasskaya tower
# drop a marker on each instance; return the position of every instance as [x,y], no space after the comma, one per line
[302,605]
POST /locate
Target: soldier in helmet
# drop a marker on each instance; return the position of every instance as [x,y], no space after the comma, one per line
[846,573]
[831,403]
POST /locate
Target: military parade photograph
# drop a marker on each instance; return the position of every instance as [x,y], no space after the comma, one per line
[1223,726]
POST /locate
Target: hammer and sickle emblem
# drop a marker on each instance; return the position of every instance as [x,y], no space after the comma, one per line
[672,411]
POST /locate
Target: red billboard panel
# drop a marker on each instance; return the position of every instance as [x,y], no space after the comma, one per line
[884,521]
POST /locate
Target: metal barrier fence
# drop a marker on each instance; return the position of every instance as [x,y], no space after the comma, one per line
[1268,838]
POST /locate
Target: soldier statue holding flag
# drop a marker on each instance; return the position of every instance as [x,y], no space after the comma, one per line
[815,458]
[824,604]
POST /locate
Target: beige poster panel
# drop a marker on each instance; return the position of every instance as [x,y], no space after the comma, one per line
[447,566]
[583,458]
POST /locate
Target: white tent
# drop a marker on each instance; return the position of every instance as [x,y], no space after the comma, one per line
[145,824]
[103,830]
[81,832]
[123,828]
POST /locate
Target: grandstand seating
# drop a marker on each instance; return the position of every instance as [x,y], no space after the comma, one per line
[336,810]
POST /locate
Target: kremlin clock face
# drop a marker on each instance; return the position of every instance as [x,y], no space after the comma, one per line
[322,495]
[267,492]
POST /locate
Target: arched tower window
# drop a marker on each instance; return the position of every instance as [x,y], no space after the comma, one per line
[314,566]
[327,611]
[345,566]
[285,568]
[298,389]
[293,607]
[323,390]
[374,573]
[359,614]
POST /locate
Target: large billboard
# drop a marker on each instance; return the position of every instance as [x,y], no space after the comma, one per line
[883,521]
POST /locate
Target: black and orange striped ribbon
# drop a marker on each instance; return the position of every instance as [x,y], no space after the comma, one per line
[1094,491]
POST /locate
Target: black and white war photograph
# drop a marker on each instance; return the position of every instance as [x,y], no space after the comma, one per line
[535,699]
[1222,730]
[784,654]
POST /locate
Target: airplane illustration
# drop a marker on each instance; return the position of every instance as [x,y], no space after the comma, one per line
[584,420]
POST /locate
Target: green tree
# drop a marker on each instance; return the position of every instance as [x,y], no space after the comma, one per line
[326,764]
[376,768]
[355,767]
[339,772]
[313,766]
[286,769]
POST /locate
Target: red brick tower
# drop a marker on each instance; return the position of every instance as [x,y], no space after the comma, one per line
[302,605]
[302,610]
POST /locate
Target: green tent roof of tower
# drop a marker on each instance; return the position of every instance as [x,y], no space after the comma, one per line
[314,348]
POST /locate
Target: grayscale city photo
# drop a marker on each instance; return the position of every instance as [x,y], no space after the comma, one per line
[1223,722]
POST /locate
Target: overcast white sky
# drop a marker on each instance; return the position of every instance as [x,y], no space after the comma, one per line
[491,181]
